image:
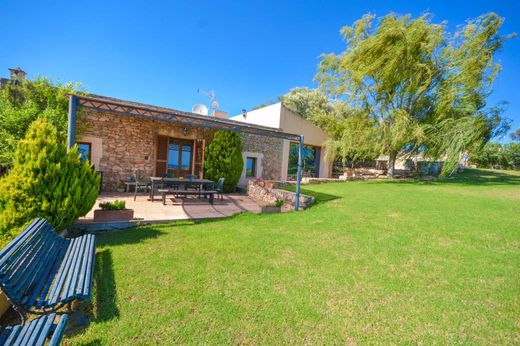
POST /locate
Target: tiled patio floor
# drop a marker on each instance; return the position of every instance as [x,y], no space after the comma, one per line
[178,208]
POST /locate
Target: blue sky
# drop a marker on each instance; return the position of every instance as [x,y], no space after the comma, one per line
[249,52]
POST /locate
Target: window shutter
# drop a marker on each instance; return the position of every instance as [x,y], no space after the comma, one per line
[198,166]
[162,156]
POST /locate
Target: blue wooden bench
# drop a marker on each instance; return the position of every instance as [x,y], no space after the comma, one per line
[36,332]
[40,271]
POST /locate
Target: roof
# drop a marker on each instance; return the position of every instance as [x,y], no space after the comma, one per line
[142,110]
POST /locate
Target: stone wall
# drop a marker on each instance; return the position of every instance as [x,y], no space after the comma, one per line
[128,142]
[266,193]
[272,150]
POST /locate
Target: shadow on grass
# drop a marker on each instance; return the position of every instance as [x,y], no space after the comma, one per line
[132,235]
[319,196]
[469,177]
[106,298]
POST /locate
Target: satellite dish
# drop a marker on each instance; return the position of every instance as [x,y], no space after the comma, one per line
[200,109]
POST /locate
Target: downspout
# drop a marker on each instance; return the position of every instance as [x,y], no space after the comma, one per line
[71,129]
[299,175]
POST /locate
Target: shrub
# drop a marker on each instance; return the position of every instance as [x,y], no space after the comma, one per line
[278,203]
[45,181]
[115,205]
[223,159]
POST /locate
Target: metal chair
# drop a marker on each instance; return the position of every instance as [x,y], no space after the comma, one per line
[220,188]
[167,184]
[140,184]
[195,186]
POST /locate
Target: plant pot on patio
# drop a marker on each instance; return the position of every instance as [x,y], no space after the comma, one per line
[272,208]
[113,212]
[268,209]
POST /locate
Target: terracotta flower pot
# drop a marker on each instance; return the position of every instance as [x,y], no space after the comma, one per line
[113,215]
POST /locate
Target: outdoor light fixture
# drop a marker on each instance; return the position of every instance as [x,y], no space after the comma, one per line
[244,113]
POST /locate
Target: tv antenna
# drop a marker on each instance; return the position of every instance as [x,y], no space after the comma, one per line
[212,98]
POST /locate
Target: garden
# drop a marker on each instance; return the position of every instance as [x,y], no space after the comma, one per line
[381,261]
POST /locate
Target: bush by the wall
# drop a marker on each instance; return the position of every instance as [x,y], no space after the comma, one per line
[45,181]
[223,159]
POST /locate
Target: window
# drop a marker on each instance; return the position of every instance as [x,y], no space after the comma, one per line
[251,167]
[310,160]
[84,150]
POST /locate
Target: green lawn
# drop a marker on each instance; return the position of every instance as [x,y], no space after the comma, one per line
[371,262]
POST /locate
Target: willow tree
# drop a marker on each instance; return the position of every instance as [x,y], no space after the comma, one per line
[412,80]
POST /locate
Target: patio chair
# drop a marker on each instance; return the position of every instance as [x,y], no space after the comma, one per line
[140,184]
[169,185]
[220,188]
[194,186]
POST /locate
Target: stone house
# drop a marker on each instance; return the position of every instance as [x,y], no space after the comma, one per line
[120,136]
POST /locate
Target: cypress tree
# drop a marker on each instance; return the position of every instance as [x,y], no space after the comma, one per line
[223,159]
[46,181]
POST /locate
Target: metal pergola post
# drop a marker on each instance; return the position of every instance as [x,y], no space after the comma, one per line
[299,175]
[71,129]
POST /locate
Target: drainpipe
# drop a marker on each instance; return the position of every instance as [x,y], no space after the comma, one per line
[71,129]
[299,175]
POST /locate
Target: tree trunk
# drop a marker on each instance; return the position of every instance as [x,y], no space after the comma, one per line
[391,164]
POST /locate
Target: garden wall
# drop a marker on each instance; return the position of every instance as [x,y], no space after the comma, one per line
[266,193]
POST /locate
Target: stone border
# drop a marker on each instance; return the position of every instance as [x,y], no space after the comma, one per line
[267,192]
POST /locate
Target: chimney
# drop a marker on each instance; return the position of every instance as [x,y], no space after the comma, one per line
[219,114]
[17,74]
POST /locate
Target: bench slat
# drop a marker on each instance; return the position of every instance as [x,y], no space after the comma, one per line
[41,269]
[61,275]
[73,277]
[8,250]
[22,268]
[83,274]
[39,260]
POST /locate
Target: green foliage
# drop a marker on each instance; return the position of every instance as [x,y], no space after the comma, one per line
[223,159]
[45,181]
[496,155]
[515,135]
[308,103]
[21,104]
[113,205]
[419,87]
[278,203]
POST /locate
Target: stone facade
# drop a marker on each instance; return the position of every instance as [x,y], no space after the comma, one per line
[266,193]
[123,143]
[272,154]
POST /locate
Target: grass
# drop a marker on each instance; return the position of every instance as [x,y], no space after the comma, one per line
[371,262]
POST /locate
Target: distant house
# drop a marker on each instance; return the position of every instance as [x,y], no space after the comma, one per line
[281,118]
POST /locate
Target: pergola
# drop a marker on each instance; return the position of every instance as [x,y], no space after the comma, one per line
[173,116]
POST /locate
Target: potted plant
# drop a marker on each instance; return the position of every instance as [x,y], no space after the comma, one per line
[276,207]
[113,211]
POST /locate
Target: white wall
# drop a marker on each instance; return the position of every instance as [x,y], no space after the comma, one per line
[265,116]
[312,135]
[280,117]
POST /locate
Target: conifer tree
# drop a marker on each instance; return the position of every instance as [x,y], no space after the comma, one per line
[45,181]
[223,159]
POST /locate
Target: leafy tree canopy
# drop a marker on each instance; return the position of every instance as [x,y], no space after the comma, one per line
[22,103]
[419,86]
[515,135]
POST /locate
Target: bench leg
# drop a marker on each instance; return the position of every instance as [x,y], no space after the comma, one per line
[211,198]
[164,199]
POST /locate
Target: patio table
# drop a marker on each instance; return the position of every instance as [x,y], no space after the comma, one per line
[157,181]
